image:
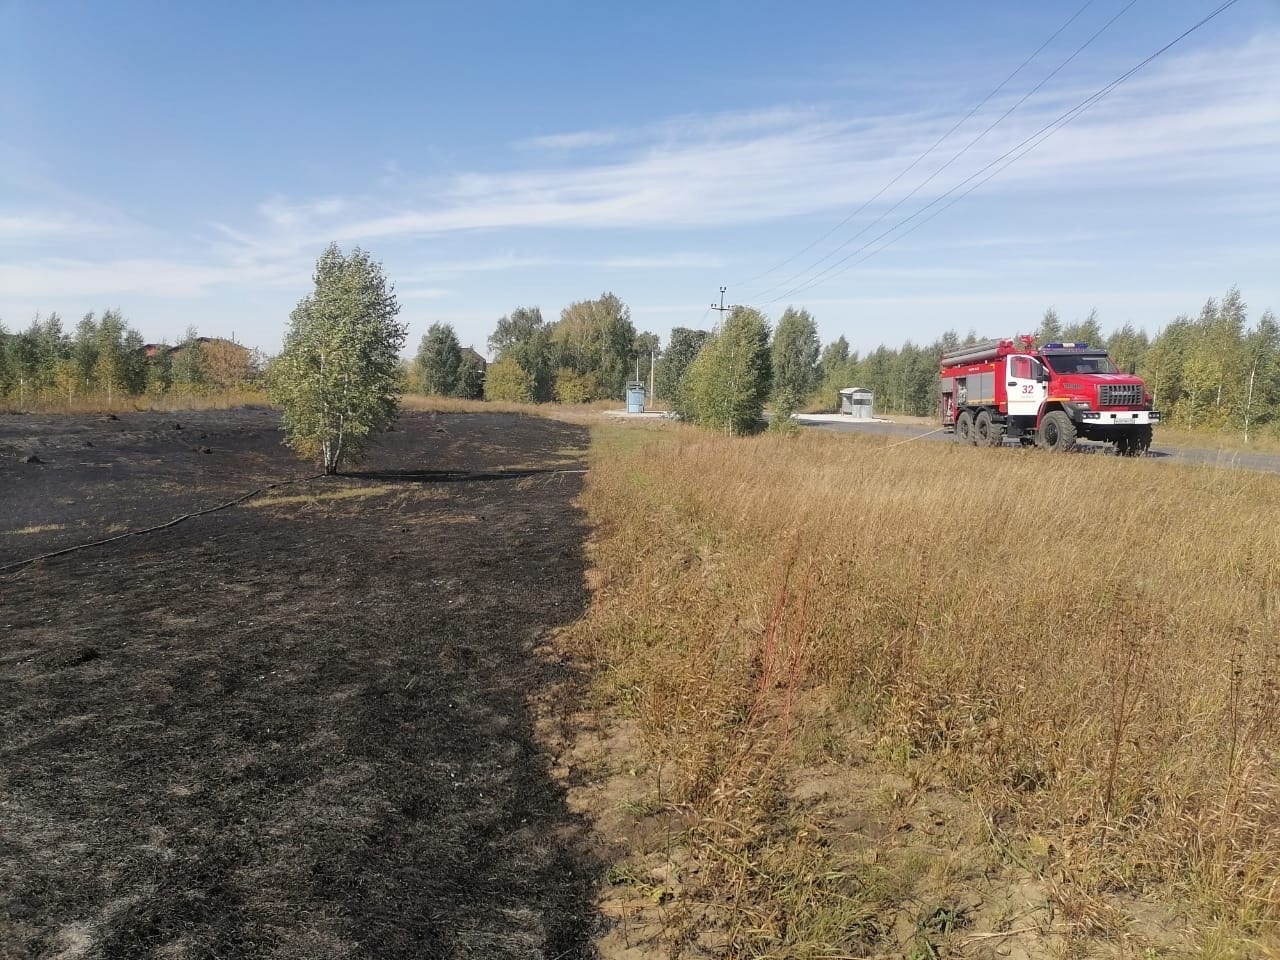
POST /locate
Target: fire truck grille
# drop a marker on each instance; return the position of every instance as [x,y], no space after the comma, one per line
[1120,395]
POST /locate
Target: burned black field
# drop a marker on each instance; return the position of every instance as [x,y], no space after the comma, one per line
[302,726]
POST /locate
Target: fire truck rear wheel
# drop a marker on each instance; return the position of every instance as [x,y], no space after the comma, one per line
[986,432]
[1057,432]
[964,427]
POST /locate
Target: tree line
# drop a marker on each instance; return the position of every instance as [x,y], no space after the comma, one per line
[1213,370]
[588,354]
[105,357]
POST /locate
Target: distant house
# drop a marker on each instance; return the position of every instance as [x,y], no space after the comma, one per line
[481,363]
[152,350]
[215,345]
[224,361]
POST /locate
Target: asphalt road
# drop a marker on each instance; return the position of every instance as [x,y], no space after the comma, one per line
[1249,461]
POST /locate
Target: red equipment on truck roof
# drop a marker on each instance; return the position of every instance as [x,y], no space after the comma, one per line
[1049,396]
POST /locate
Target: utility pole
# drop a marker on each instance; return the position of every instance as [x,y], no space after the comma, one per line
[722,309]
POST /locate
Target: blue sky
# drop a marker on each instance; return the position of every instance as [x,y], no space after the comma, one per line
[188,162]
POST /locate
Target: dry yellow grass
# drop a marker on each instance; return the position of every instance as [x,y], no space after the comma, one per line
[1261,440]
[416,401]
[36,528]
[1087,646]
[52,402]
[316,497]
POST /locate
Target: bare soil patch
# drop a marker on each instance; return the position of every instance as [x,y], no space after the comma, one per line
[302,729]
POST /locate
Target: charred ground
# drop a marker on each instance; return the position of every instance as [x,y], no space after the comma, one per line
[299,727]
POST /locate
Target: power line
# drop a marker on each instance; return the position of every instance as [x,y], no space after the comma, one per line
[911,166]
[961,152]
[1002,162]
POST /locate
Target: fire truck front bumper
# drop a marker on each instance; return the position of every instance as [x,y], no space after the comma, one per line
[1116,418]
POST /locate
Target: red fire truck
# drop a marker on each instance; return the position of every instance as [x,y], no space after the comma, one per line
[1050,396]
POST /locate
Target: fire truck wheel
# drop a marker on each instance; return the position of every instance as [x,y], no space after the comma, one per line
[964,427]
[986,432]
[1141,442]
[1057,432]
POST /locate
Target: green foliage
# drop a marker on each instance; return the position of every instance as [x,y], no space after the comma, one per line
[1262,359]
[508,381]
[159,374]
[596,337]
[6,364]
[102,356]
[794,362]
[1050,328]
[1200,367]
[1087,331]
[834,356]
[574,387]
[187,363]
[439,360]
[338,374]
[646,344]
[1126,346]
[730,379]
[669,378]
[105,357]
[592,338]
[523,336]
[470,382]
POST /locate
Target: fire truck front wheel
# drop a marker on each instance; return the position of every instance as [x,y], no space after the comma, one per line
[1057,432]
[1134,443]
[964,427]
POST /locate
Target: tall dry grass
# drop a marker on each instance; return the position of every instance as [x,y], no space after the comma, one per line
[168,401]
[1087,645]
[217,399]
[557,411]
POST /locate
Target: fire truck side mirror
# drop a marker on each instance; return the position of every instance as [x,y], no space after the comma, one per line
[1042,377]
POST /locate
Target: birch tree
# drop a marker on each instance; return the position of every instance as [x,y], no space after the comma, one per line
[730,379]
[795,362]
[676,360]
[338,374]
[1262,351]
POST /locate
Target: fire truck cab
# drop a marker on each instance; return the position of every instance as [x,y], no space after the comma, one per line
[1048,396]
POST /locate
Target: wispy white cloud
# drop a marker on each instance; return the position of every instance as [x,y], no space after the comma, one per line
[280,213]
[676,260]
[68,278]
[27,228]
[670,261]
[422,293]
[581,140]
[1212,118]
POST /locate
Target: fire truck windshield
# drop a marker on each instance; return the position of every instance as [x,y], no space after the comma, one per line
[1080,363]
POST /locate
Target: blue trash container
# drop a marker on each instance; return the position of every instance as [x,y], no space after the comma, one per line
[635,398]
